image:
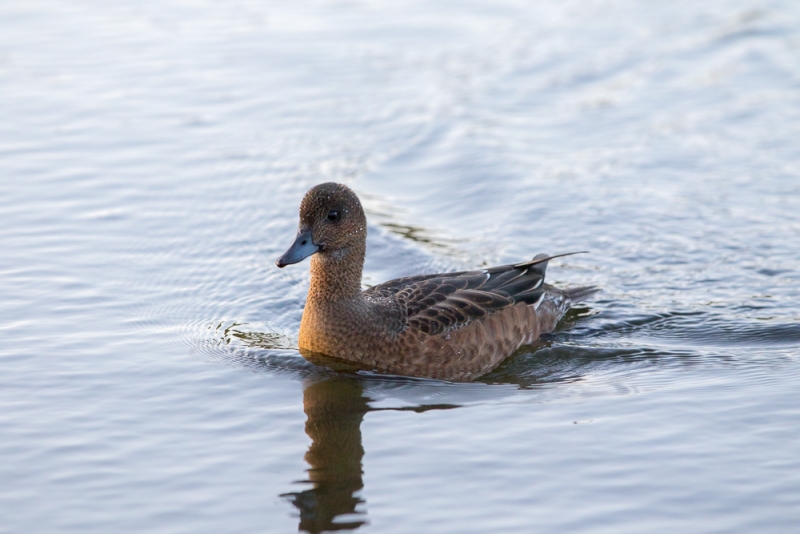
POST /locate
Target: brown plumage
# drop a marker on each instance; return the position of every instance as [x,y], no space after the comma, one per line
[450,326]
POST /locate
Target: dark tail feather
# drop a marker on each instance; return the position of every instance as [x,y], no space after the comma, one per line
[543,258]
[581,293]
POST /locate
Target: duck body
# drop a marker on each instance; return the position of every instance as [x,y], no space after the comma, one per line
[449,326]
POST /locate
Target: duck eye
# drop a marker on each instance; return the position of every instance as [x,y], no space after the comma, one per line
[333,216]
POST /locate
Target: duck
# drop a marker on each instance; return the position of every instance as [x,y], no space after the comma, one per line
[455,326]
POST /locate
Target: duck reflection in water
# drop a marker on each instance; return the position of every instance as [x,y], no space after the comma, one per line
[334,409]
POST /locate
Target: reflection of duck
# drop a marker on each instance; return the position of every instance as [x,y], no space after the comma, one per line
[334,408]
[454,326]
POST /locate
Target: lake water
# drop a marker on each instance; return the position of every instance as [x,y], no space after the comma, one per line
[152,159]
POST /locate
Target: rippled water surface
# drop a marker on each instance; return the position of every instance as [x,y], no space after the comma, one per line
[152,158]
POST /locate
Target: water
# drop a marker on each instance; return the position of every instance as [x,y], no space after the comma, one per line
[153,155]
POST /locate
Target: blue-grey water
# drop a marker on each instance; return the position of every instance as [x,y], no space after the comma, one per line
[152,159]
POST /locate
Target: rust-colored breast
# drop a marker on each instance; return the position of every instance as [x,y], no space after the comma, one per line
[463,354]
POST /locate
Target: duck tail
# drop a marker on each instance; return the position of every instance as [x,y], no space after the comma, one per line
[579,294]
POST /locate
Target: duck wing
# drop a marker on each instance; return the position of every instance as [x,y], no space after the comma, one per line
[439,303]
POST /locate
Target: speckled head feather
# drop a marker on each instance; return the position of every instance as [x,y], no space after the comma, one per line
[333,214]
[452,326]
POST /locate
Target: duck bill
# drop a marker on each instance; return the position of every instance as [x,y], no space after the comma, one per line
[302,248]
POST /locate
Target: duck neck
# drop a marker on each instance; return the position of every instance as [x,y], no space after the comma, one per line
[336,275]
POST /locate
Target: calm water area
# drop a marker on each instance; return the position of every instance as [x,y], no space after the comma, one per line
[152,159]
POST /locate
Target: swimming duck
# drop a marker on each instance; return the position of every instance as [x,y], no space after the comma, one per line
[450,326]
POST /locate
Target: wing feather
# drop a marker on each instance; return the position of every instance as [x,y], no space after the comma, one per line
[438,303]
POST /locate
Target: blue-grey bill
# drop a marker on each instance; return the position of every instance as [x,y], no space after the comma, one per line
[302,248]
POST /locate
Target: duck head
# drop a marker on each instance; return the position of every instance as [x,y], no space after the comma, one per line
[332,222]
